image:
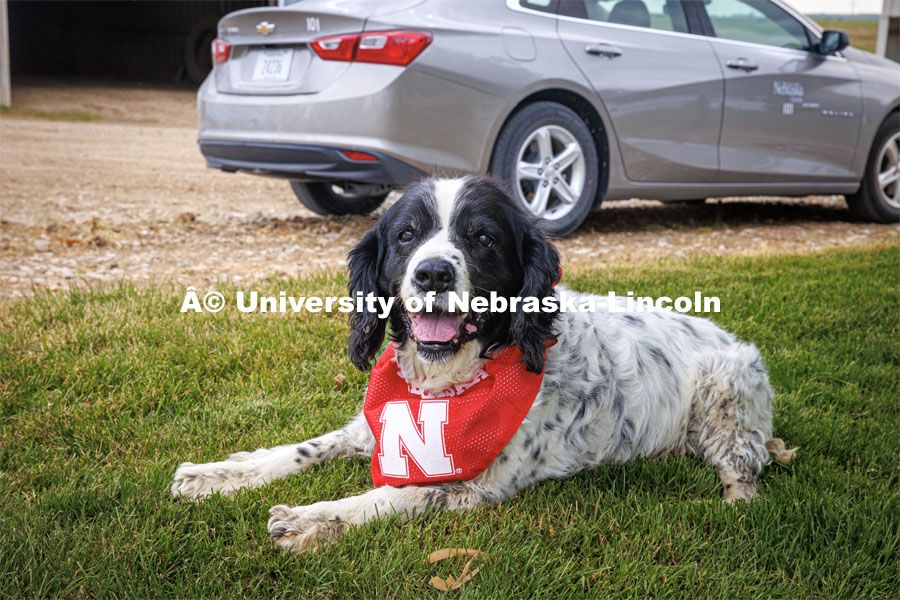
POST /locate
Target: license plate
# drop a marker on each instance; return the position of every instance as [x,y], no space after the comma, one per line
[273,65]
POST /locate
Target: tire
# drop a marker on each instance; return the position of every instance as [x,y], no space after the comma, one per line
[197,55]
[339,197]
[880,202]
[524,139]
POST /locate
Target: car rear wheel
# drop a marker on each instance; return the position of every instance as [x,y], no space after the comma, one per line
[340,197]
[548,155]
[197,57]
[878,198]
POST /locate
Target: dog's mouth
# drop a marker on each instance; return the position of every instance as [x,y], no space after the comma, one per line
[439,334]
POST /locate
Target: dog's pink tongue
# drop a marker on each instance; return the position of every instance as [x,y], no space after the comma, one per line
[436,327]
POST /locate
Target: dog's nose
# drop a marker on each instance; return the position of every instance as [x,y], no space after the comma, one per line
[434,275]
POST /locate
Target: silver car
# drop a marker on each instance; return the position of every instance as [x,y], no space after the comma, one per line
[571,101]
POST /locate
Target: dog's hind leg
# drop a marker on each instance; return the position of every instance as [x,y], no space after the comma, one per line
[731,418]
[252,469]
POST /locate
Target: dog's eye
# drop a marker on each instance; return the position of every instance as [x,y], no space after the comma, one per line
[485,240]
[406,237]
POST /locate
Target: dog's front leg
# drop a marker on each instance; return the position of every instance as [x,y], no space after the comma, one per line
[302,528]
[252,469]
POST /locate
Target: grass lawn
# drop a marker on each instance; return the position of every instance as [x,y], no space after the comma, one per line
[26,112]
[105,392]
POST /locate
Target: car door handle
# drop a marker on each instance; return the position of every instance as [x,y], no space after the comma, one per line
[605,50]
[741,64]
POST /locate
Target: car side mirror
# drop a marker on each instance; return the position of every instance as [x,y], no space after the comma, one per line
[832,41]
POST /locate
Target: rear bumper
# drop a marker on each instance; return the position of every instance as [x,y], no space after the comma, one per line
[427,122]
[303,162]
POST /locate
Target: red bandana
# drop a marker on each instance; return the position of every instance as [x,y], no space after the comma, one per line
[426,439]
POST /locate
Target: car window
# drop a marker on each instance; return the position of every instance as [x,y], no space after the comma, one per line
[757,21]
[667,15]
[541,5]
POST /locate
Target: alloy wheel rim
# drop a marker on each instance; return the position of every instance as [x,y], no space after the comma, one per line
[889,172]
[550,172]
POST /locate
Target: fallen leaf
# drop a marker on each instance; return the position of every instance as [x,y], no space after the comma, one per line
[438,583]
[451,552]
[776,448]
[465,574]
[67,241]
[451,583]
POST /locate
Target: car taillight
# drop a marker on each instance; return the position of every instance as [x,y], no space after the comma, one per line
[381,47]
[220,51]
[339,47]
[357,155]
[391,47]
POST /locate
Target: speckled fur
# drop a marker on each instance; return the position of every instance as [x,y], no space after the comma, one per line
[616,386]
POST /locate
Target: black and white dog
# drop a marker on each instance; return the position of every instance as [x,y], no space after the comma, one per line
[616,385]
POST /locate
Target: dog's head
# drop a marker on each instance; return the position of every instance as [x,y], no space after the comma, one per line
[453,235]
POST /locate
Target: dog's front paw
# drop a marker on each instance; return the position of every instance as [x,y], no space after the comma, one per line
[304,528]
[196,481]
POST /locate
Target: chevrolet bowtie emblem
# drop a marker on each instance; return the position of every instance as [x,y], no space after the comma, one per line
[265,28]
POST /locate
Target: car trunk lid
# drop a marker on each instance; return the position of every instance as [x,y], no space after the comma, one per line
[270,47]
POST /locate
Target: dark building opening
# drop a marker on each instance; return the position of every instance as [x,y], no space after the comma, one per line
[165,40]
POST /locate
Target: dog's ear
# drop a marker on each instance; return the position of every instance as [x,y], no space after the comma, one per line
[366,329]
[540,269]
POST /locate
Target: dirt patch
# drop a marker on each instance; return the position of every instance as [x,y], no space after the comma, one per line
[65,172]
[128,199]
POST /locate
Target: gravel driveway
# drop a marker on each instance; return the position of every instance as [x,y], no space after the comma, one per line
[128,197]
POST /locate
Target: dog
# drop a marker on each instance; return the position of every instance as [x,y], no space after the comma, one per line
[605,386]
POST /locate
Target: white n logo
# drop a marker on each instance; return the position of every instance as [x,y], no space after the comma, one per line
[427,448]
